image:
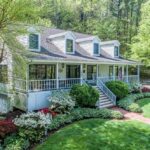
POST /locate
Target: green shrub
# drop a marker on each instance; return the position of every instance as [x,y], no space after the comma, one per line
[135,108]
[84,95]
[116,115]
[14,142]
[61,102]
[135,88]
[128,103]
[83,113]
[119,88]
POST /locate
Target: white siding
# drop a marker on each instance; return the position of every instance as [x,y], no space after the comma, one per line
[4,104]
[62,71]
[103,70]
[60,43]
[108,50]
[38,100]
[24,40]
[88,45]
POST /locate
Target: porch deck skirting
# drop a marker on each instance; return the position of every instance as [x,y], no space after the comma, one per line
[54,84]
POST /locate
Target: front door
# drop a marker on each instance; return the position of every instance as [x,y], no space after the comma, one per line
[91,72]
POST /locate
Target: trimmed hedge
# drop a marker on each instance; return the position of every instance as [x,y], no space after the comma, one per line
[84,95]
[119,88]
[128,103]
[84,113]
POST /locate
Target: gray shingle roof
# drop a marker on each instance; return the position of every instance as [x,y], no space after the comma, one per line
[50,52]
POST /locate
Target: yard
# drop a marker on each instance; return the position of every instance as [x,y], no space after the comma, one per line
[145,105]
[98,134]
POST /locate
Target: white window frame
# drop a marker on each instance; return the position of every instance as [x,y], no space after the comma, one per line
[39,42]
[118,50]
[73,51]
[98,48]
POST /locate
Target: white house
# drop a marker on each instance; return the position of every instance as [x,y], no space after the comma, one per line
[57,59]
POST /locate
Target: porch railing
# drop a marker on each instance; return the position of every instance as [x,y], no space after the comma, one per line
[128,79]
[104,88]
[44,85]
[68,83]
[52,84]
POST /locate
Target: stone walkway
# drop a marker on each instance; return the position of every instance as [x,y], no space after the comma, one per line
[132,116]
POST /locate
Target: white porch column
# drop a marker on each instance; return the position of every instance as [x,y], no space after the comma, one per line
[57,80]
[138,72]
[127,74]
[81,74]
[27,78]
[97,72]
[123,71]
[113,72]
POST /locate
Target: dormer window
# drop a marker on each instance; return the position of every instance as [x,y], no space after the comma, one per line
[116,51]
[96,49]
[69,45]
[34,41]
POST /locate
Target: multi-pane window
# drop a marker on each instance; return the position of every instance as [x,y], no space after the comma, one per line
[116,51]
[69,45]
[39,72]
[96,48]
[73,71]
[3,74]
[33,41]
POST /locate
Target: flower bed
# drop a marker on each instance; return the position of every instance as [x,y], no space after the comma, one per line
[128,103]
[28,124]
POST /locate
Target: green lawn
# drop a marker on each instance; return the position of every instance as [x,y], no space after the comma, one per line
[145,105]
[97,134]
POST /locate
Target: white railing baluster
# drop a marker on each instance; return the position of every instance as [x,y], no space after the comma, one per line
[104,88]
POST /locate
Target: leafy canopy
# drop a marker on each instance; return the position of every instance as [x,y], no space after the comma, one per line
[141,42]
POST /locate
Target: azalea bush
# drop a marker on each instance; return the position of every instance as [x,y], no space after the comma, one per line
[6,127]
[30,123]
[119,88]
[84,95]
[33,120]
[61,102]
[135,87]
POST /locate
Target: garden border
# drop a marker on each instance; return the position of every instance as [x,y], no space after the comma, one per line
[128,103]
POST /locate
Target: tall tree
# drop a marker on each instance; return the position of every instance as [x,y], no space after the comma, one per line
[141,42]
[14,15]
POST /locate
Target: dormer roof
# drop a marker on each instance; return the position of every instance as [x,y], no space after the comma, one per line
[90,38]
[113,42]
[55,35]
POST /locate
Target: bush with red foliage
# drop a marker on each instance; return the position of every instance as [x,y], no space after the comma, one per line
[47,110]
[7,127]
[145,89]
[44,110]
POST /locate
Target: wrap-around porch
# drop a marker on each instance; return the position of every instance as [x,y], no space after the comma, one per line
[46,77]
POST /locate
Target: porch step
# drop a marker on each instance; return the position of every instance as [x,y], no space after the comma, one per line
[104,101]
